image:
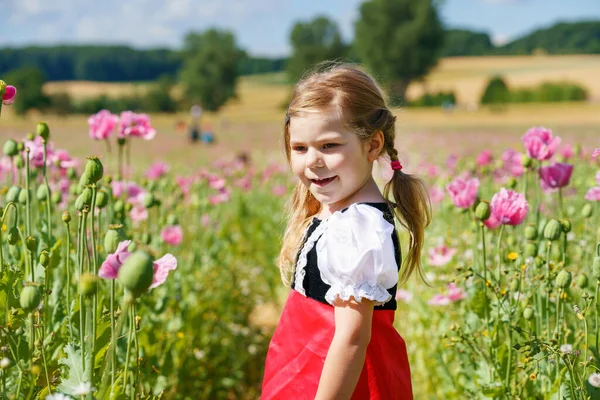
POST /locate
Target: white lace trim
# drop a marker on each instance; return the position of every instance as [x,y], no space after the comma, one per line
[377,293]
[302,258]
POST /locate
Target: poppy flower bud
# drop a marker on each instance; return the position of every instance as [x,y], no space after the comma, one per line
[30,298]
[43,130]
[512,183]
[87,284]
[23,196]
[71,173]
[596,267]
[31,243]
[19,163]
[13,194]
[149,200]
[526,161]
[563,279]
[482,212]
[145,239]
[66,217]
[528,313]
[582,281]
[552,230]
[136,273]
[531,250]
[42,192]
[113,237]
[2,87]
[93,170]
[128,207]
[10,148]
[531,232]
[56,197]
[84,199]
[13,235]
[118,206]
[586,210]
[566,225]
[44,258]
[172,220]
[101,199]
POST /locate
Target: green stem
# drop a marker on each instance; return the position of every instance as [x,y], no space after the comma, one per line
[48,200]
[596,313]
[487,316]
[560,203]
[137,353]
[549,289]
[27,197]
[95,269]
[1,225]
[81,305]
[128,347]
[44,361]
[113,347]
[558,314]
[68,266]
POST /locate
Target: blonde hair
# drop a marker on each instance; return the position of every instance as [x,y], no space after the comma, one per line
[359,101]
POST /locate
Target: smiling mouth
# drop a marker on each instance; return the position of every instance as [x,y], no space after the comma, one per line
[323,182]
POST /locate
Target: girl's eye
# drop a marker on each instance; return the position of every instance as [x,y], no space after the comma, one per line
[330,145]
[299,148]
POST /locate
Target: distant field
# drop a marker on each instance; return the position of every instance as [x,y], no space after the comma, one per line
[253,121]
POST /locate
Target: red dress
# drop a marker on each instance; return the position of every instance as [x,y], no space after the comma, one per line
[300,343]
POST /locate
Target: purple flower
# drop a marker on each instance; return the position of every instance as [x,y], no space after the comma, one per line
[10,92]
[556,176]
[539,143]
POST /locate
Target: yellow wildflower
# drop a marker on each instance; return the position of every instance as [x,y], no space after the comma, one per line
[512,256]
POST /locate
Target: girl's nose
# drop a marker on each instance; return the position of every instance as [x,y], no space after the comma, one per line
[313,158]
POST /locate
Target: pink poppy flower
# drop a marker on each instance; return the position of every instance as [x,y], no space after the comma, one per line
[138,213]
[451,162]
[222,197]
[484,158]
[539,143]
[511,163]
[157,170]
[137,125]
[455,293]
[566,151]
[593,194]
[243,183]
[172,235]
[110,267]
[62,159]
[509,207]
[404,295]
[36,152]
[492,222]
[10,92]
[556,176]
[439,300]
[216,182]
[436,195]
[463,191]
[162,266]
[441,255]
[102,124]
[278,190]
[596,153]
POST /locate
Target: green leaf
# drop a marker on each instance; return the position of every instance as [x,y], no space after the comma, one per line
[75,373]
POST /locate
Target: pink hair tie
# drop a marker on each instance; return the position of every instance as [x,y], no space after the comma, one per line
[396,165]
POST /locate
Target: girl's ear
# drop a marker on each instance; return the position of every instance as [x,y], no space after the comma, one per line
[375,145]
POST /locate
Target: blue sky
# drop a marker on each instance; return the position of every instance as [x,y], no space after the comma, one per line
[261,26]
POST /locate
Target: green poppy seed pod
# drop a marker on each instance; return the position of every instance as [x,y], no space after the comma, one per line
[582,281]
[13,235]
[145,239]
[113,237]
[56,197]
[531,250]
[136,273]
[30,136]
[71,173]
[172,219]
[10,148]
[132,247]
[526,161]
[84,199]
[93,169]
[30,298]
[512,183]
[20,146]
[552,230]
[23,196]
[87,284]
[128,207]
[482,212]
[149,200]
[42,192]
[596,268]
[43,130]
[44,258]
[101,199]
[66,217]
[2,87]
[109,179]
[74,190]
[586,210]
[563,279]
[13,194]
[121,142]
[566,225]
[118,206]
[19,163]
[31,243]
[531,232]
[528,313]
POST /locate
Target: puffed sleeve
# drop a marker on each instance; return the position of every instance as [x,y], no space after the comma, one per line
[356,255]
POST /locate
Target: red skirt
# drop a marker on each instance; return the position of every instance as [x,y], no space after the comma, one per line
[300,343]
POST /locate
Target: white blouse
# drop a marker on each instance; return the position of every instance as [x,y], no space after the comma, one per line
[355,255]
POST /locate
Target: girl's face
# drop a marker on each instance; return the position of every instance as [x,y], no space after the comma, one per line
[333,163]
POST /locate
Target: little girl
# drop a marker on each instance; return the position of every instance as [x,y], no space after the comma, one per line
[335,338]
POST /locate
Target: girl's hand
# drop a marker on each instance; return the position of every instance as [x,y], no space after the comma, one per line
[346,355]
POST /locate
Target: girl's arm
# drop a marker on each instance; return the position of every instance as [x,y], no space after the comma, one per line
[346,355]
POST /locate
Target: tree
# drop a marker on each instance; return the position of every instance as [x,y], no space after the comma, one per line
[313,42]
[29,82]
[462,42]
[399,40]
[496,92]
[210,68]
